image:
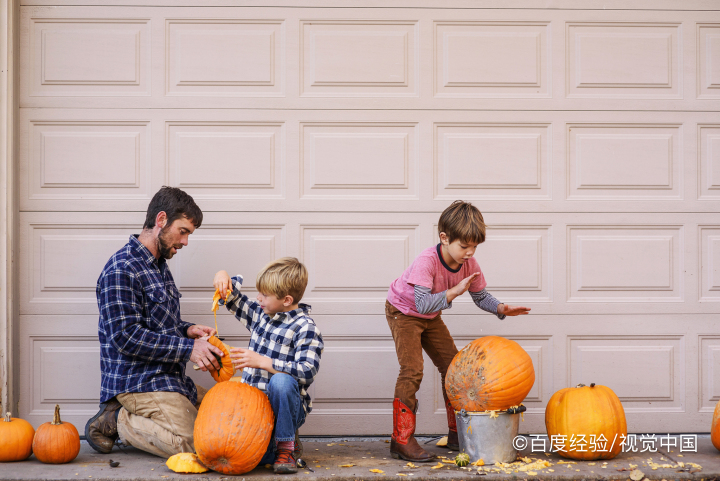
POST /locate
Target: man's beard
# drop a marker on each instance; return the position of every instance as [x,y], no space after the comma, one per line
[165,247]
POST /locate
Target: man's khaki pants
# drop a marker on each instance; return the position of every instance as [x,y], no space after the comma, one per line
[160,423]
[412,335]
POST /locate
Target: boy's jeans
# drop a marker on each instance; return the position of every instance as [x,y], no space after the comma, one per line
[284,395]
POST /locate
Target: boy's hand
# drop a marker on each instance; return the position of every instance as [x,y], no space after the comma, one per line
[506,310]
[461,288]
[197,331]
[222,282]
[242,358]
[202,355]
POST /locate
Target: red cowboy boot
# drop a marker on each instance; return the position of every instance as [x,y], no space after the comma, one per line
[403,444]
[452,442]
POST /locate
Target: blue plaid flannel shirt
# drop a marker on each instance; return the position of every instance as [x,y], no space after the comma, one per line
[291,339]
[143,342]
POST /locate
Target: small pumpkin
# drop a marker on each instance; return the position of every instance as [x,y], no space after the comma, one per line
[491,373]
[16,438]
[715,428]
[579,415]
[56,442]
[462,459]
[233,428]
[186,463]
[227,368]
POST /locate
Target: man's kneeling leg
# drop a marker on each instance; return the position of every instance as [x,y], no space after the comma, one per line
[160,423]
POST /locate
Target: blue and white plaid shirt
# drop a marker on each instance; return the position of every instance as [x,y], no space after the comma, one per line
[291,339]
[143,342]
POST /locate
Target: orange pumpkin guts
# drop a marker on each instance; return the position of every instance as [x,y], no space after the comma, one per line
[715,428]
[56,442]
[16,438]
[233,428]
[227,369]
[488,374]
[588,422]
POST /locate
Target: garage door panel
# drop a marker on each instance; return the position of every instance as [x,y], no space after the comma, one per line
[87,160]
[516,262]
[709,162]
[359,58]
[709,392]
[624,60]
[63,263]
[492,59]
[356,160]
[493,162]
[613,263]
[646,372]
[225,57]
[88,56]
[710,263]
[708,60]
[618,162]
[227,160]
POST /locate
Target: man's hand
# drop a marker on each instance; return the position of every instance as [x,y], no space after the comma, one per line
[506,310]
[243,358]
[197,331]
[222,282]
[461,288]
[202,355]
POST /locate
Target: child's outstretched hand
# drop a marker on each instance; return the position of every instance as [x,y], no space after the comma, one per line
[461,288]
[512,310]
[222,281]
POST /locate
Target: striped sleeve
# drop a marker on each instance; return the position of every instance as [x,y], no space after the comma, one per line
[425,302]
[485,301]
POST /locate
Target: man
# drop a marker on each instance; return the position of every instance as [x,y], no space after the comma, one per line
[147,400]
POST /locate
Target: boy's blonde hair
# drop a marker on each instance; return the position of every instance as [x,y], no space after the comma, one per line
[283,277]
[462,220]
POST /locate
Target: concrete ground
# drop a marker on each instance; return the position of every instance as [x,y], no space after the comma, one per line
[327,456]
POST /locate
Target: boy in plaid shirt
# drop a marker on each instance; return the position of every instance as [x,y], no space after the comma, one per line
[283,357]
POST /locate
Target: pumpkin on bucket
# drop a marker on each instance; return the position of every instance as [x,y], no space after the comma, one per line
[488,374]
[582,414]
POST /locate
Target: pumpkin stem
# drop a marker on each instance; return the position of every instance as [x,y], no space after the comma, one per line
[7,417]
[580,385]
[56,416]
[592,385]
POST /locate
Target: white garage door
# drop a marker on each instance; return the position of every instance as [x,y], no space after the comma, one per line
[589,138]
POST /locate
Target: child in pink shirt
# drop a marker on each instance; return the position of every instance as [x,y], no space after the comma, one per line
[413,307]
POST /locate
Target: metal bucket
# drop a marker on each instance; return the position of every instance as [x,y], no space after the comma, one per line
[488,438]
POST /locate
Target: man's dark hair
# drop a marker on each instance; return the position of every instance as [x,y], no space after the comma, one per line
[176,204]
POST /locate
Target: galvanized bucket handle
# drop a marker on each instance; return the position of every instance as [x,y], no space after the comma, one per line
[465,417]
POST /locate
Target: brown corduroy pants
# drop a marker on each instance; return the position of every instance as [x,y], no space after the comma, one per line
[412,335]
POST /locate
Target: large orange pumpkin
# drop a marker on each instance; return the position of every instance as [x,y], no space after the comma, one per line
[16,437]
[489,373]
[56,442]
[715,429]
[588,422]
[227,369]
[233,427]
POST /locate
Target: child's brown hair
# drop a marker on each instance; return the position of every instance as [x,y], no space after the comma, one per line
[462,220]
[283,277]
